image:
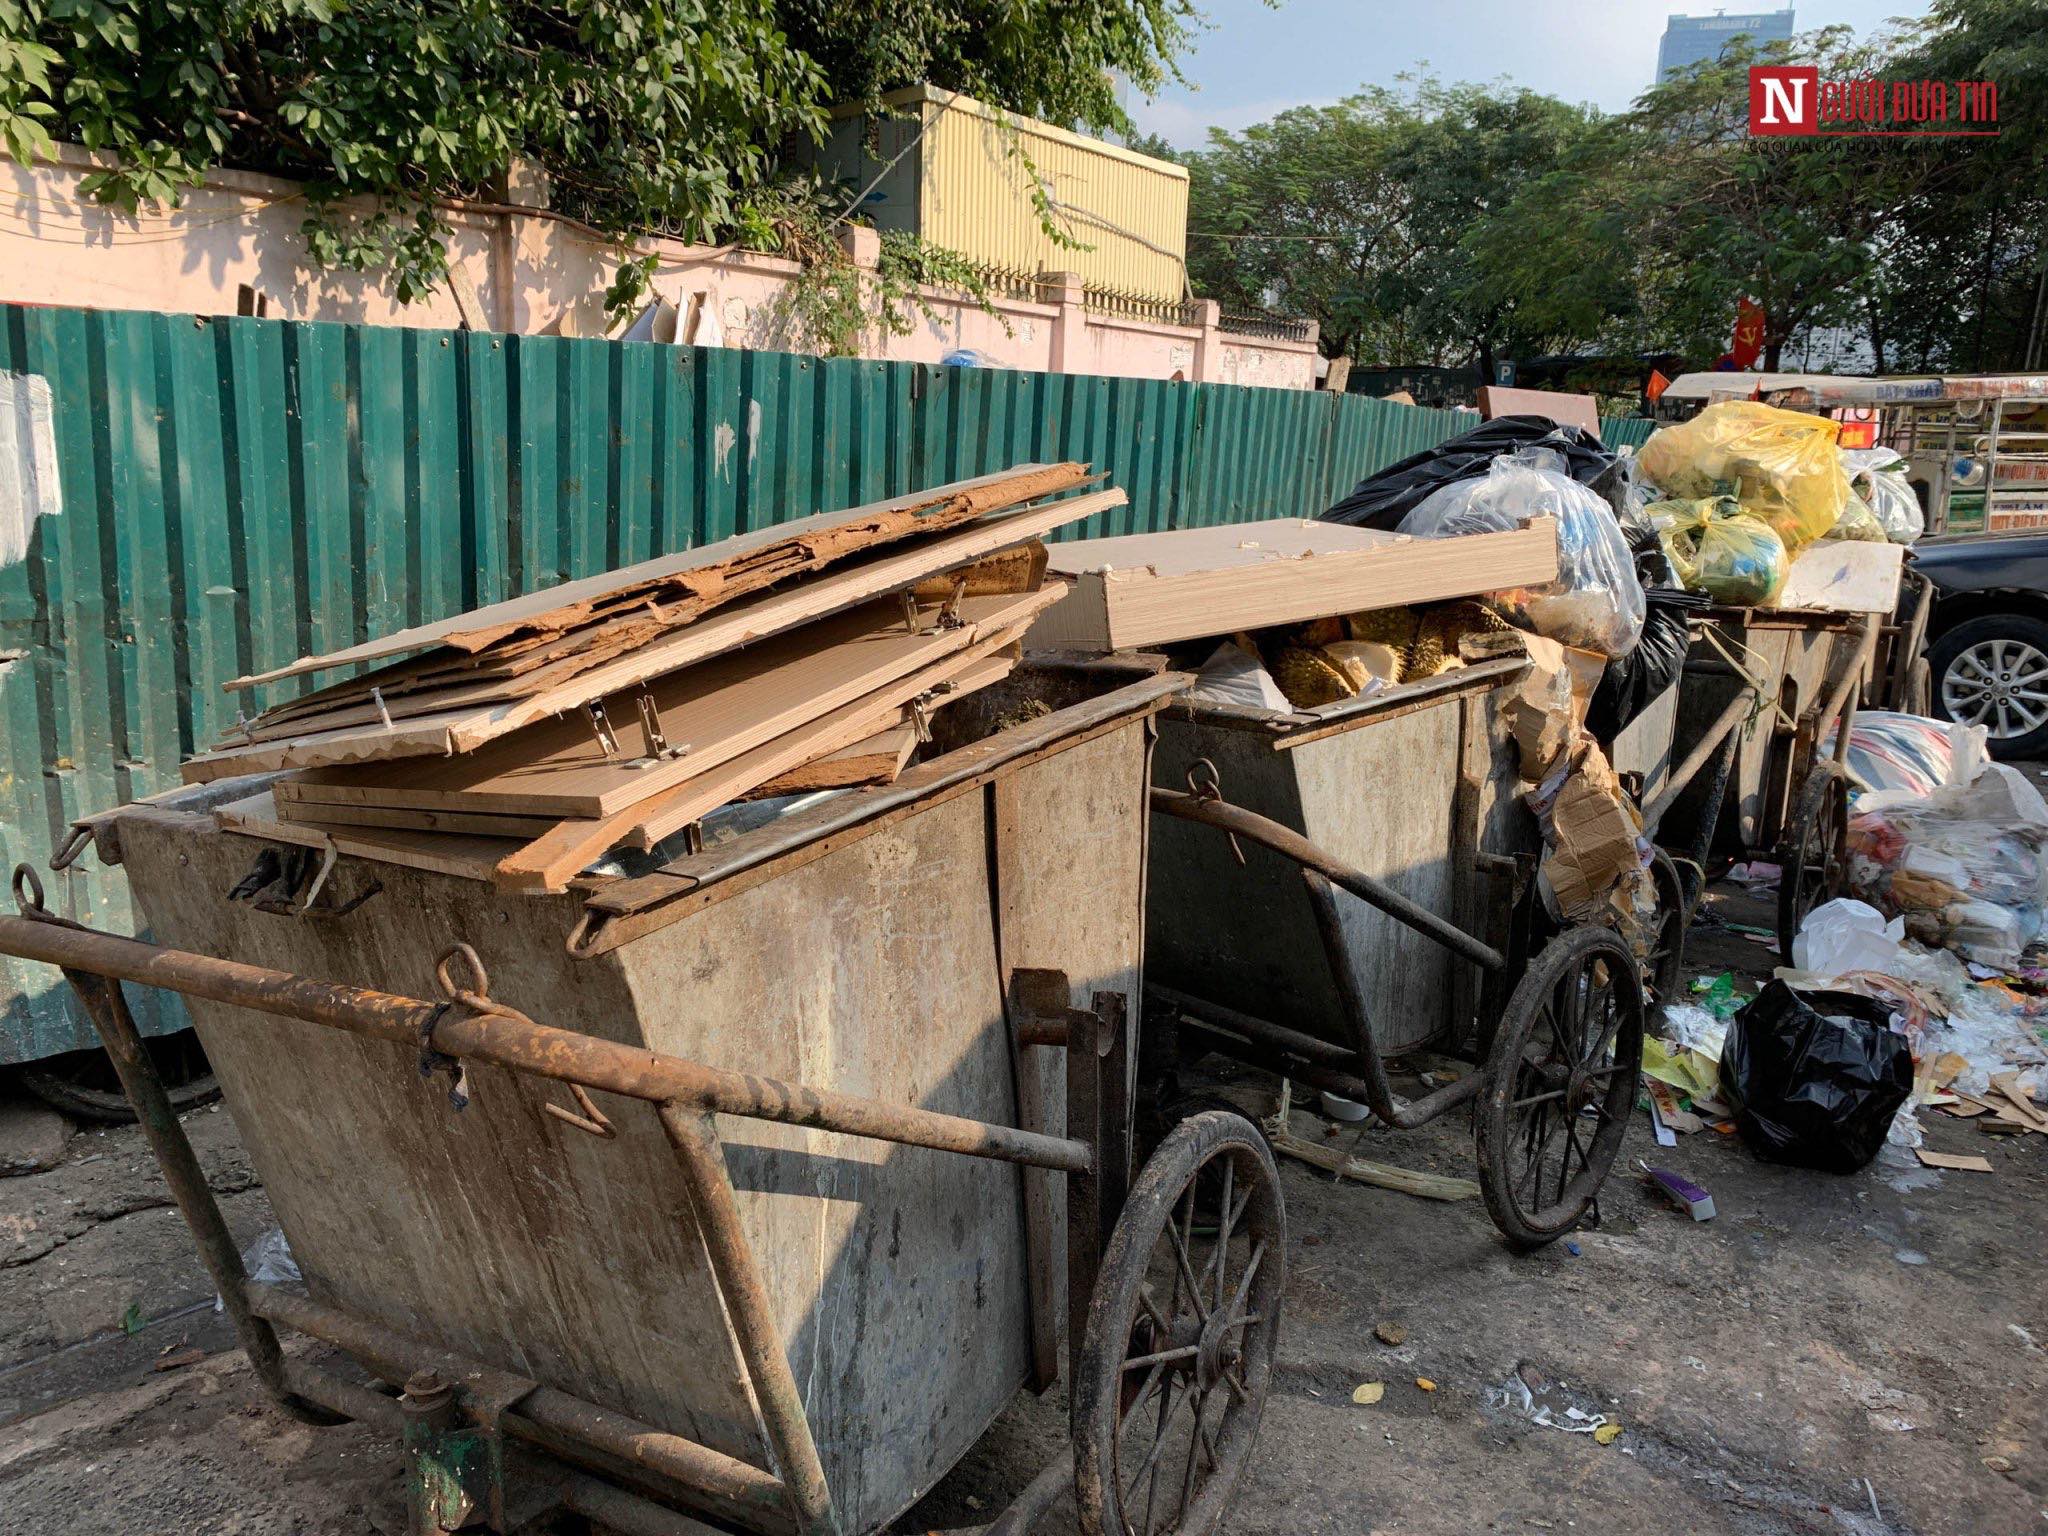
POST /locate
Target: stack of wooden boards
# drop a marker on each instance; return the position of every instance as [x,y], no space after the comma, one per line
[523,741]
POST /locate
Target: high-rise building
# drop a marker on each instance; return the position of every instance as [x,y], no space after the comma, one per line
[1690,39]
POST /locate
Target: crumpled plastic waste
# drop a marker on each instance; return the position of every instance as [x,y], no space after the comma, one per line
[1965,866]
[1719,550]
[1847,935]
[268,1261]
[1783,466]
[1232,675]
[1596,602]
[1878,476]
[1889,750]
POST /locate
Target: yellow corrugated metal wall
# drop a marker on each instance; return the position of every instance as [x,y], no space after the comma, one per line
[1130,212]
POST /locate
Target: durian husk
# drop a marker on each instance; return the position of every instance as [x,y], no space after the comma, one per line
[1435,647]
[1387,626]
[1309,679]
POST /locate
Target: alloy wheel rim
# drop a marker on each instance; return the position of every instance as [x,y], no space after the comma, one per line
[2001,685]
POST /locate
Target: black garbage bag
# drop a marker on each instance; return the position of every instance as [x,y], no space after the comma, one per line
[1382,500]
[1815,1078]
[1631,683]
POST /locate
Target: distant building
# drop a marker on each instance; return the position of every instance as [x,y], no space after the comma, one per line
[1691,39]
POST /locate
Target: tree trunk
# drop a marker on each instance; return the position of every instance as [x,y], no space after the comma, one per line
[1875,313]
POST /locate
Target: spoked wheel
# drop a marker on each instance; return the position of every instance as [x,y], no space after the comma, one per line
[1177,1355]
[1560,1084]
[1665,965]
[84,1084]
[1813,858]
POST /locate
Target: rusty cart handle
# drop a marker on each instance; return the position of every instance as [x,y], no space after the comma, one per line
[1212,810]
[506,1038]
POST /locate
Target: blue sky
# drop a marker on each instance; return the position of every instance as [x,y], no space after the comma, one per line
[1256,60]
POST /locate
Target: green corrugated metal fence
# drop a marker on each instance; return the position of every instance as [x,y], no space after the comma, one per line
[240,492]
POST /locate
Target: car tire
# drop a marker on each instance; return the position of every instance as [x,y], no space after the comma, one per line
[1996,650]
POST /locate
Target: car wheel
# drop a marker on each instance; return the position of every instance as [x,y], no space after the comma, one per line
[1993,672]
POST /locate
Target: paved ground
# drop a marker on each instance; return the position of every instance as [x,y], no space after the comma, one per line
[1844,1355]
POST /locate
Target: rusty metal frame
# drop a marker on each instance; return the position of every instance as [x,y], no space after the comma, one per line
[1356,1070]
[469,1025]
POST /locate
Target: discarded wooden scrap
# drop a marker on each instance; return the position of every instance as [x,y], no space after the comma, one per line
[1428,1186]
[1153,588]
[460,719]
[523,742]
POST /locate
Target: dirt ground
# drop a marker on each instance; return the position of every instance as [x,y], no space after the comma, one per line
[1859,1354]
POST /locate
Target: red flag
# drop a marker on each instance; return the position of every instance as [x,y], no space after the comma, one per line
[1657,385]
[1749,334]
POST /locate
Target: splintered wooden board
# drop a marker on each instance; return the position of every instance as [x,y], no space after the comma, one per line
[875,759]
[1153,588]
[551,861]
[719,709]
[780,550]
[470,857]
[466,728]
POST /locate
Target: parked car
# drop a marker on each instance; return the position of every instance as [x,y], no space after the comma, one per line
[1987,637]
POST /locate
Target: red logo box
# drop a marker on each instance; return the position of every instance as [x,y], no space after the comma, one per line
[1783,99]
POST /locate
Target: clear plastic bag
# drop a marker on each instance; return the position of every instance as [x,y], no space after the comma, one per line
[1878,475]
[1721,551]
[1783,466]
[1965,866]
[1596,602]
[1858,523]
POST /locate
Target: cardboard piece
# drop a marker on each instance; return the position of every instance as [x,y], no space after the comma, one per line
[1547,707]
[1853,575]
[1959,1163]
[1593,837]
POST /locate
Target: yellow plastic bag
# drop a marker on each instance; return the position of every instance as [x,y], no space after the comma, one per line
[1783,466]
[1720,550]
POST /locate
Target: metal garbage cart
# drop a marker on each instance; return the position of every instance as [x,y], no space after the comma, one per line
[734,1187]
[1309,940]
[1752,770]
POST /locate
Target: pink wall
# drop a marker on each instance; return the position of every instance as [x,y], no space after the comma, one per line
[537,274]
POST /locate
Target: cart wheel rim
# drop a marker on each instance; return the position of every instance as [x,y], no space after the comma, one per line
[1177,1356]
[1562,1083]
[2000,684]
[1666,963]
[1813,866]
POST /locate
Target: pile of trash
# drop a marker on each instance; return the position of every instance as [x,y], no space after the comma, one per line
[1925,988]
[1743,487]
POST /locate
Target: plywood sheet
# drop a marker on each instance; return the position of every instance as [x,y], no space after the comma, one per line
[550,861]
[464,728]
[825,536]
[463,855]
[1150,589]
[719,710]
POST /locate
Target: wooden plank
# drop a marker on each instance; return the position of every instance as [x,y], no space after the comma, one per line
[720,709]
[833,591]
[1150,589]
[550,608]
[470,858]
[550,861]
[874,759]
[625,910]
[1552,405]
[1409,1181]
[516,829]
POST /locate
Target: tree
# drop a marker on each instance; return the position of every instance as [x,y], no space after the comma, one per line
[666,116]
[1366,216]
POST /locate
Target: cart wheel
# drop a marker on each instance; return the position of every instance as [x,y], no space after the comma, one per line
[1178,1351]
[1666,963]
[1813,859]
[83,1083]
[1561,1082]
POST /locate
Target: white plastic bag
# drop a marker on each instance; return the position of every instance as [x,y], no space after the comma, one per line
[1235,676]
[1878,475]
[1596,602]
[1846,935]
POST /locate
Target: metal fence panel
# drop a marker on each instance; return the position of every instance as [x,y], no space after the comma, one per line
[238,492]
